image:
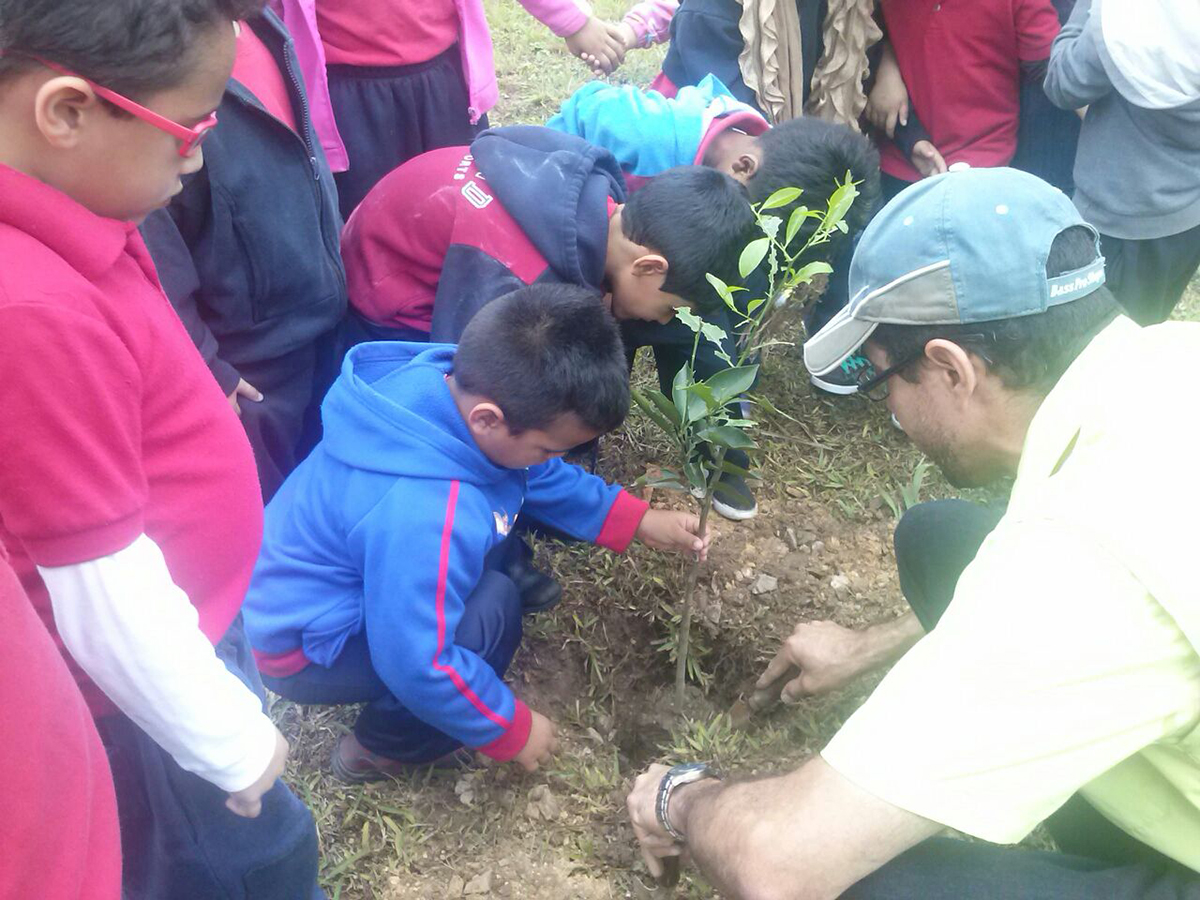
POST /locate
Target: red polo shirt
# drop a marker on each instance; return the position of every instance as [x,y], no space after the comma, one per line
[113,426]
[59,828]
[961,62]
[386,32]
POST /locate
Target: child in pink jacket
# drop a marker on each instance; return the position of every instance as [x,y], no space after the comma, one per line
[408,76]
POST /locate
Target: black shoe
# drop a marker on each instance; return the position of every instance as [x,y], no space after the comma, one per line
[733,498]
[844,379]
[538,591]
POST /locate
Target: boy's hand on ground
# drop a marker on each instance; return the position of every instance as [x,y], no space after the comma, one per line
[668,529]
[828,656]
[597,46]
[540,746]
[927,160]
[244,389]
[248,801]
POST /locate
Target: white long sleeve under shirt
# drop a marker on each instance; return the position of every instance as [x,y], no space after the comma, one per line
[136,634]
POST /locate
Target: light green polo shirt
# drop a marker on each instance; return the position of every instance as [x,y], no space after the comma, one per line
[1069,659]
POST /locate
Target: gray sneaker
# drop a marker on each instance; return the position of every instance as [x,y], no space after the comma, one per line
[845,378]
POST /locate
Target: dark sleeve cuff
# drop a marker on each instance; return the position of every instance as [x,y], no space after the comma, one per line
[513,740]
[908,136]
[624,517]
[227,376]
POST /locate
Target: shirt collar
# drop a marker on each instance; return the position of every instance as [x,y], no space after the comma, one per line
[89,243]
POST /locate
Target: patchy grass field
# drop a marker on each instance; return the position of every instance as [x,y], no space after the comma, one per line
[833,480]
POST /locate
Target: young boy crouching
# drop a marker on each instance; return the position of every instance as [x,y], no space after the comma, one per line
[381,578]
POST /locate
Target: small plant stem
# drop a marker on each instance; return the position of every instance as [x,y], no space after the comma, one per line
[689,592]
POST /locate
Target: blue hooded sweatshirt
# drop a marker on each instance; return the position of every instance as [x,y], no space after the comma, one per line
[649,133]
[386,527]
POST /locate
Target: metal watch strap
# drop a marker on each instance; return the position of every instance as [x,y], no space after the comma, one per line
[677,777]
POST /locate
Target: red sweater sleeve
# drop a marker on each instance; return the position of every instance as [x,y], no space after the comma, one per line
[72,485]
[1037,26]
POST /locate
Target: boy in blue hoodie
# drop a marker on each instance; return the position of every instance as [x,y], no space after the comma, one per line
[381,579]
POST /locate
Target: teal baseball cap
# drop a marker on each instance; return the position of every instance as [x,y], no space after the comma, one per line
[963,247]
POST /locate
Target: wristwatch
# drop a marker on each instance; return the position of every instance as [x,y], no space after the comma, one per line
[676,777]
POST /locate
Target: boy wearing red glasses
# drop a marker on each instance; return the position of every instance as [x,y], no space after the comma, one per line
[128,498]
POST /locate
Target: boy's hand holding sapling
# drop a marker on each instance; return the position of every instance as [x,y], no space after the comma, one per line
[668,529]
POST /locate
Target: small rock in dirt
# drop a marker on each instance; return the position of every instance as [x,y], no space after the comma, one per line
[455,887]
[712,612]
[739,576]
[764,584]
[542,804]
[818,547]
[839,583]
[480,884]
[465,789]
[748,572]
[791,538]
[834,543]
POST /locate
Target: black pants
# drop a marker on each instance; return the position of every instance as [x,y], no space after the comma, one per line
[490,626]
[178,840]
[285,425]
[389,114]
[935,542]
[1149,277]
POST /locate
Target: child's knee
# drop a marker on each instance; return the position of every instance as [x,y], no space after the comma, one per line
[492,616]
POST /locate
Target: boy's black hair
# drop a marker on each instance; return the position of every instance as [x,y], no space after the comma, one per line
[699,219]
[815,155]
[133,47]
[543,351]
[1028,353]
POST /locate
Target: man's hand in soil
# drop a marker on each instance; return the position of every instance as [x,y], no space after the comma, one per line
[653,839]
[668,529]
[927,160]
[830,656]
[245,390]
[248,801]
[597,45]
[540,746]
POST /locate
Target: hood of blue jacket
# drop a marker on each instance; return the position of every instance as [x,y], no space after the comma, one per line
[390,411]
[557,187]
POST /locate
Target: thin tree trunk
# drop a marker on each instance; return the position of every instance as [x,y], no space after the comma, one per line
[683,644]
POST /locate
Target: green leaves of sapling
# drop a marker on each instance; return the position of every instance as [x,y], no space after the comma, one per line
[753,254]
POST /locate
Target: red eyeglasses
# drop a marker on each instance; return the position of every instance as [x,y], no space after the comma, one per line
[189,138]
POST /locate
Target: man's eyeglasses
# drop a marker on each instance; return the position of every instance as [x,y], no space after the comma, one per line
[874,385]
[189,138]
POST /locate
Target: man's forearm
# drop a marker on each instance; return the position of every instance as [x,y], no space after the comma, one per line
[807,835]
[886,642]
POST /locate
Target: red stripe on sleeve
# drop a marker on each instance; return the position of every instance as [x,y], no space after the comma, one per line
[443,569]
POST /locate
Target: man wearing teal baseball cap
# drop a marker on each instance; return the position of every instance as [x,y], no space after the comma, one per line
[1062,679]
